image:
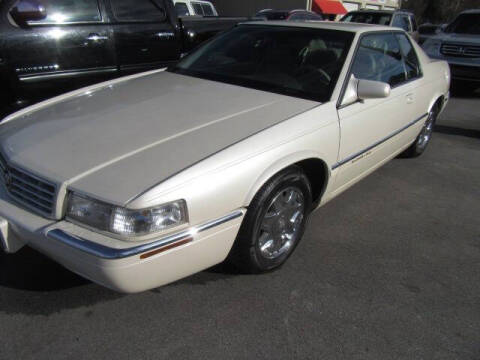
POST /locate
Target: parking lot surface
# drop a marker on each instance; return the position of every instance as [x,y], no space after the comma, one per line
[389,270]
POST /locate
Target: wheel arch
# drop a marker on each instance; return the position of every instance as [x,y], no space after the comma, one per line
[316,169]
[437,99]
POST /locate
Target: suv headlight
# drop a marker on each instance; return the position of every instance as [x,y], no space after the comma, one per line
[126,223]
[432,47]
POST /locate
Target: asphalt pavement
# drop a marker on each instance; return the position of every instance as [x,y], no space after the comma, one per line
[388,270]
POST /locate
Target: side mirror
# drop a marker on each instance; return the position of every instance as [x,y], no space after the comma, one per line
[28,10]
[359,89]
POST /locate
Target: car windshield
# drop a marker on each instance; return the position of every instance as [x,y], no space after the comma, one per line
[368,18]
[273,15]
[465,24]
[295,61]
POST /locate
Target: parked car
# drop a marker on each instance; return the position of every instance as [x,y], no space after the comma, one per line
[396,18]
[49,47]
[140,181]
[289,15]
[195,7]
[459,44]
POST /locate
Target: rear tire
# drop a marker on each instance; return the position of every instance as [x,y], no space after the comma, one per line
[274,223]
[423,139]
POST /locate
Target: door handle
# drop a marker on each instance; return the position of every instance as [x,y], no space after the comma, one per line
[410,98]
[96,37]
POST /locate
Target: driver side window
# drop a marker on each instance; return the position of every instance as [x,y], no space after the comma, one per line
[379,58]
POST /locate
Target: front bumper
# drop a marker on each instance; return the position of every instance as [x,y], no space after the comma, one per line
[118,265]
[465,72]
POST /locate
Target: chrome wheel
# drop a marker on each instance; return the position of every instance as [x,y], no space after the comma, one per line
[281,223]
[426,133]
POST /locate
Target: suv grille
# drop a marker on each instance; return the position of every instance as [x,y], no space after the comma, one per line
[27,189]
[470,51]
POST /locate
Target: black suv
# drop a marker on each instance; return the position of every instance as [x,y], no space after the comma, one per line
[50,46]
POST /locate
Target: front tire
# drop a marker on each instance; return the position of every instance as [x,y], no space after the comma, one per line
[274,223]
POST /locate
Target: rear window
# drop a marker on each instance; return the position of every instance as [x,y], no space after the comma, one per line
[197,8]
[137,10]
[207,10]
[368,18]
[181,9]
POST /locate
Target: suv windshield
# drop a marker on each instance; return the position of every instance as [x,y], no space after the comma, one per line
[368,18]
[465,24]
[300,62]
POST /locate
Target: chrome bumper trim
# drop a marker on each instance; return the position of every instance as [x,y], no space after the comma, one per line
[109,253]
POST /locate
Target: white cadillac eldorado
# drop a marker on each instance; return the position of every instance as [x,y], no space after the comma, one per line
[140,181]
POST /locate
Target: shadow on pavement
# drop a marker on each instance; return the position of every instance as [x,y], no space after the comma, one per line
[31,283]
[449,130]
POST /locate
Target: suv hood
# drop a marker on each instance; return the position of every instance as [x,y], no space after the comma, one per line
[457,38]
[120,139]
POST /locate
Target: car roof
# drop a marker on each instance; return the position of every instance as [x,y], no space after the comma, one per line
[327,25]
[272,11]
[471,11]
[399,11]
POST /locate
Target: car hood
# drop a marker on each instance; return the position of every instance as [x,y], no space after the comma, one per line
[457,38]
[116,141]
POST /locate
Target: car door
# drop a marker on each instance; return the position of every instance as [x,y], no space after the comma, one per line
[69,47]
[144,36]
[369,128]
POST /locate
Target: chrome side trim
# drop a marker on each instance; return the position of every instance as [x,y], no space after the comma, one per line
[354,156]
[109,253]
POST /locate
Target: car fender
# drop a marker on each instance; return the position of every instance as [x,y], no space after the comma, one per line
[278,166]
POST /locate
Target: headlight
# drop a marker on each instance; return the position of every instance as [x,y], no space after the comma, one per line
[432,47]
[125,222]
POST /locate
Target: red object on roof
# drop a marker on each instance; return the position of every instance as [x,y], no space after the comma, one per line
[329,7]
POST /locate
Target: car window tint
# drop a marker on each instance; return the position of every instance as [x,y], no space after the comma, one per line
[401,21]
[197,8]
[412,65]
[294,61]
[182,9]
[137,10]
[207,10]
[65,11]
[379,59]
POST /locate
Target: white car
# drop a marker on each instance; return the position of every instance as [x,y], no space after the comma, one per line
[141,181]
[194,7]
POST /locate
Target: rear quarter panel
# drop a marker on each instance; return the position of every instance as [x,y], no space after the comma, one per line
[435,83]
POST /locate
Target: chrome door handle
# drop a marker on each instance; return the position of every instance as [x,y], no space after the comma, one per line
[96,37]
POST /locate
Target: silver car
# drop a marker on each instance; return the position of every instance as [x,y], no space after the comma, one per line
[459,44]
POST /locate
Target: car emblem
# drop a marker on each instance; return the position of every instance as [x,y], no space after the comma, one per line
[461,50]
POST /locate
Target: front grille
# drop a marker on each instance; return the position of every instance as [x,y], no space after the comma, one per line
[469,51]
[465,72]
[27,189]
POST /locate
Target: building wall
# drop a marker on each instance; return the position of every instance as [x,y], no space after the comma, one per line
[374,4]
[251,7]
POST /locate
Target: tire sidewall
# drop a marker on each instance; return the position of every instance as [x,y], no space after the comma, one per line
[293,178]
